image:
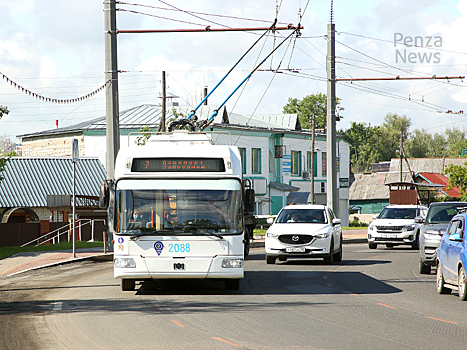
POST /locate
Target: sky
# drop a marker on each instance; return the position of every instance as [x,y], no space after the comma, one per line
[55,49]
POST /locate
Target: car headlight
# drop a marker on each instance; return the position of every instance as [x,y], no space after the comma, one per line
[271,235]
[409,228]
[432,234]
[323,234]
[229,263]
[124,262]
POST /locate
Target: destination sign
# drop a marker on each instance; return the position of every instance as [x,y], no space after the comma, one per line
[170,164]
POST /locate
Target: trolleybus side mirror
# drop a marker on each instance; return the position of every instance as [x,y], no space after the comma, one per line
[249,203]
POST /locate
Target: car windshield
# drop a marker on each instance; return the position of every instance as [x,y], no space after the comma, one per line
[309,216]
[175,207]
[398,213]
[440,214]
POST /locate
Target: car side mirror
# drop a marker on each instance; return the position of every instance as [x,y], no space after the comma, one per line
[336,222]
[270,221]
[456,237]
[419,219]
[375,216]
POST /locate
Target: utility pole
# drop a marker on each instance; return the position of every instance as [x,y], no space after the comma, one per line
[161,126]
[111,92]
[312,160]
[332,190]
[400,156]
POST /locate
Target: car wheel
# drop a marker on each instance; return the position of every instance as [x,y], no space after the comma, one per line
[232,284]
[440,281]
[389,245]
[282,258]
[338,256]
[270,260]
[128,285]
[372,245]
[423,269]
[462,284]
[329,259]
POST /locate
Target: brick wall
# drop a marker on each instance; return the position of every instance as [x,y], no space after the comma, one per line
[52,146]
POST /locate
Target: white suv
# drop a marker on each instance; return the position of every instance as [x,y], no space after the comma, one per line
[395,225]
[304,231]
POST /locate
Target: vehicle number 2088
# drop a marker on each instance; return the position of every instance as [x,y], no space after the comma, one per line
[179,248]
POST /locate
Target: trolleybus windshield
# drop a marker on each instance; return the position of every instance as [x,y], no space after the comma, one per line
[179,207]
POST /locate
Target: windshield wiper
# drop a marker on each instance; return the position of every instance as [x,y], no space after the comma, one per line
[208,233]
[152,232]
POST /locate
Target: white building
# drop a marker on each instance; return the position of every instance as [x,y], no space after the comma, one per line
[275,150]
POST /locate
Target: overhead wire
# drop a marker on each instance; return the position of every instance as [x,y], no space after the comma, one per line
[200,13]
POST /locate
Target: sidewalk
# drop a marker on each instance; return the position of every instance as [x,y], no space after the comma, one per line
[23,262]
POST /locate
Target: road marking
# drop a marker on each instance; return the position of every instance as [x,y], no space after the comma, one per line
[330,284]
[58,306]
[440,319]
[225,341]
[177,323]
[392,307]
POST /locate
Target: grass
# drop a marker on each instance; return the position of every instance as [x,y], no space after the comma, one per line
[5,252]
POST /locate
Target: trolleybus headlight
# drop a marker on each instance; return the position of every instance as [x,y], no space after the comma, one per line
[232,263]
[124,262]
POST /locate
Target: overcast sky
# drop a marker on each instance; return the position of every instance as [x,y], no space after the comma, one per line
[55,48]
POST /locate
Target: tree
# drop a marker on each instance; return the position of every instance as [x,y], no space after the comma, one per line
[3,161]
[393,127]
[458,178]
[311,105]
[455,140]
[363,142]
[421,144]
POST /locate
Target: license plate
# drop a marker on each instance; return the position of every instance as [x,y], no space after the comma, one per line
[295,249]
[389,236]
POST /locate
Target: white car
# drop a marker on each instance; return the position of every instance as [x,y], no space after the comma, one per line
[304,231]
[396,225]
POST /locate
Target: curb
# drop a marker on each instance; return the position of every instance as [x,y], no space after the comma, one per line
[97,257]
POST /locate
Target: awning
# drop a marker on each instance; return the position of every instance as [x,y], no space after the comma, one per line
[283,187]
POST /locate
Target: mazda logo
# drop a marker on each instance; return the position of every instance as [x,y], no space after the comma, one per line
[295,238]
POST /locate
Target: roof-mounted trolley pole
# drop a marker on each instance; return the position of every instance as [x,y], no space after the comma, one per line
[211,118]
[231,69]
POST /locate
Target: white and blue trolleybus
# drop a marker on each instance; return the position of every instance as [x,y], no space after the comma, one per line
[177,209]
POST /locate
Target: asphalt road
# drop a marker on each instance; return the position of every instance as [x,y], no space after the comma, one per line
[374,299]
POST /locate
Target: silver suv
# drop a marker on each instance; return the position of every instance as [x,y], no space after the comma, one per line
[395,225]
[432,229]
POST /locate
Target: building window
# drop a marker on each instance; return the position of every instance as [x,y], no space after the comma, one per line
[295,167]
[256,160]
[243,159]
[324,165]
[308,163]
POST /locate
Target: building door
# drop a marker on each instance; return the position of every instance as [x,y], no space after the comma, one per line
[276,204]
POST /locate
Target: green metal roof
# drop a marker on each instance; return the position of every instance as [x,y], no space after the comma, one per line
[28,181]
